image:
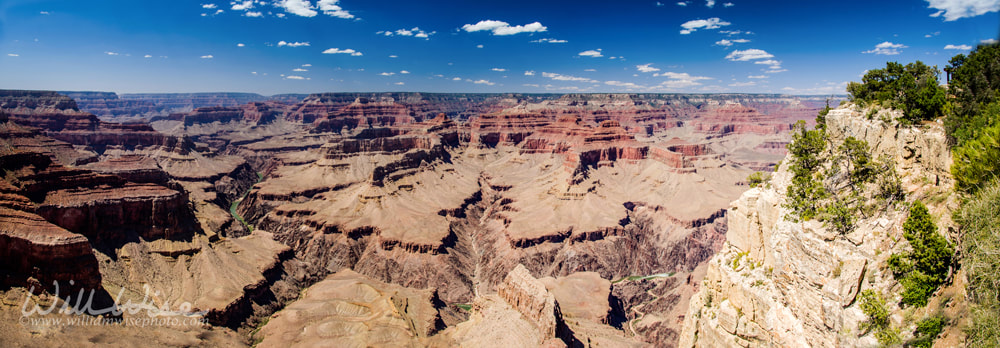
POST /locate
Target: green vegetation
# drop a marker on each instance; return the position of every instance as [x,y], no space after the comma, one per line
[757,178]
[807,189]
[464,306]
[975,85]
[972,121]
[233,207]
[980,242]
[874,307]
[927,331]
[821,116]
[912,88]
[922,270]
[977,159]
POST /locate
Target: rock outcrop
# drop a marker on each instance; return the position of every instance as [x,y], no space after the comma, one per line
[347,308]
[777,282]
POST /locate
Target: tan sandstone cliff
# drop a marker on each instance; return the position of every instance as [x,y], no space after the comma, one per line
[794,284]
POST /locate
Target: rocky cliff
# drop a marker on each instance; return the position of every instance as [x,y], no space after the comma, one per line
[777,282]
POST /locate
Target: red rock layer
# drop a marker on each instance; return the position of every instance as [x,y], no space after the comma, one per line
[365,113]
[505,128]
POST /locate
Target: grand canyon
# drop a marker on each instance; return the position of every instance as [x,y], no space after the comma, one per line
[400,219]
[345,173]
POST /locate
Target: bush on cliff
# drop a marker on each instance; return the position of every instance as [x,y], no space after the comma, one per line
[912,88]
[980,242]
[977,160]
[807,190]
[975,85]
[923,269]
[873,305]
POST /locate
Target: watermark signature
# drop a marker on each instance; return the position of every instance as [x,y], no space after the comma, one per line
[84,312]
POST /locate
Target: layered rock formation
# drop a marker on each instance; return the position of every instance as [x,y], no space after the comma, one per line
[349,309]
[436,198]
[782,283]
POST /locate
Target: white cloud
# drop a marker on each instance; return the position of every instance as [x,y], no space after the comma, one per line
[479,46]
[330,8]
[746,55]
[958,47]
[393,56]
[768,62]
[148,56]
[414,32]
[743,84]
[886,48]
[253,14]
[956,9]
[592,53]
[709,3]
[294,77]
[697,24]
[292,44]
[44,12]
[757,77]
[335,50]
[728,4]
[593,70]
[683,3]
[387,73]
[559,77]
[529,73]
[400,83]
[297,7]
[988,41]
[531,85]
[504,28]
[241,6]
[404,72]
[240,45]
[307,65]
[646,68]
[775,70]
[681,76]
[299,70]
[13,55]
[727,43]
[498,69]
[676,84]
[629,85]
[550,41]
[456,79]
[659,4]
[483,82]
[208,56]
[208,6]
[111,53]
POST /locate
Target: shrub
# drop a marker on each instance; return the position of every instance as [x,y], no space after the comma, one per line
[927,331]
[980,243]
[821,116]
[862,168]
[806,190]
[977,160]
[757,178]
[806,147]
[841,216]
[912,88]
[925,267]
[975,83]
[874,307]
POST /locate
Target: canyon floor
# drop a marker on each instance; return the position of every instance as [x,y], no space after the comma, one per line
[388,219]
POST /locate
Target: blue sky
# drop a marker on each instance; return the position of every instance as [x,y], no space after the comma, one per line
[306,46]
